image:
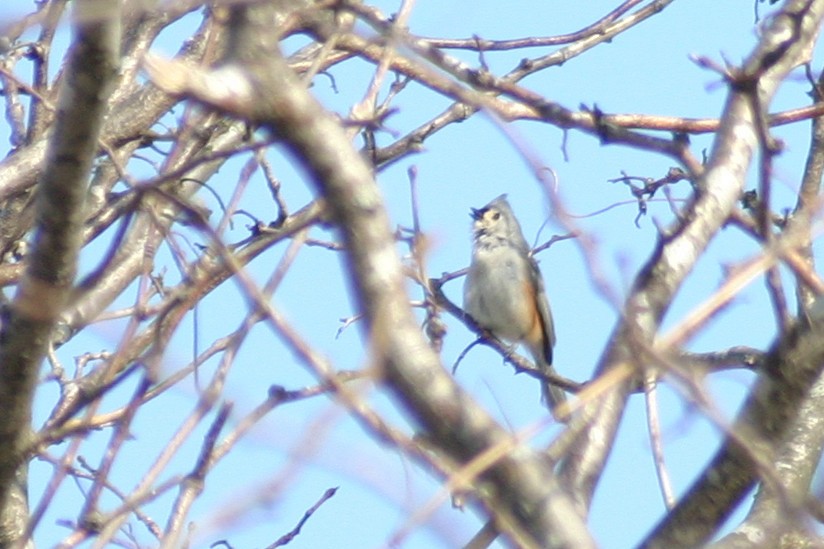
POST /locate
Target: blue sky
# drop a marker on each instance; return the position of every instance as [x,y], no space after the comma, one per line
[315,445]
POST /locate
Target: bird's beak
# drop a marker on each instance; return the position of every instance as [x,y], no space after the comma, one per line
[476,214]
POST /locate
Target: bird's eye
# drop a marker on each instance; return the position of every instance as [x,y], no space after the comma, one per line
[496,216]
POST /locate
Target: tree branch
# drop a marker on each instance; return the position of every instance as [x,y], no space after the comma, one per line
[781,48]
[521,491]
[45,287]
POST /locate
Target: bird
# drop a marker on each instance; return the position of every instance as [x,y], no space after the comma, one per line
[504,290]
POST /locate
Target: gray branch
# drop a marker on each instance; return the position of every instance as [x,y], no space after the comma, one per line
[784,44]
[518,488]
[748,453]
[50,272]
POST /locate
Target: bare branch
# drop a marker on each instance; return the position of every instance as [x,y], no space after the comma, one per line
[45,287]
[719,188]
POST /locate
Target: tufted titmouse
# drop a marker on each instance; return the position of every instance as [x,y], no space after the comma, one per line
[504,291]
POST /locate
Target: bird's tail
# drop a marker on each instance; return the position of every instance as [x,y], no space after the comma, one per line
[552,395]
